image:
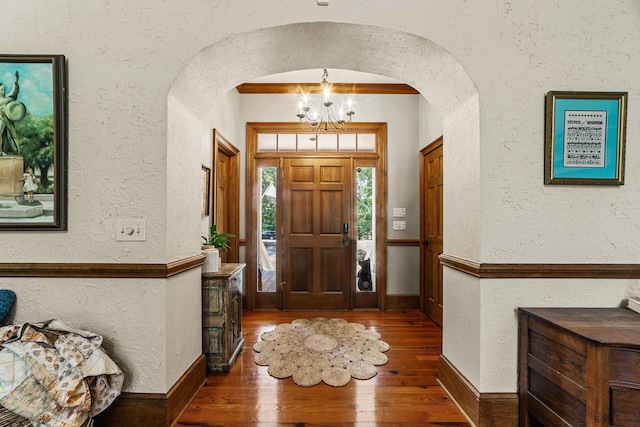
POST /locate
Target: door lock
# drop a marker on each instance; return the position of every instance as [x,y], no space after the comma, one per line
[345,231]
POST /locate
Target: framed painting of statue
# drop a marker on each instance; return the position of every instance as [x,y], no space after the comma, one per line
[33,148]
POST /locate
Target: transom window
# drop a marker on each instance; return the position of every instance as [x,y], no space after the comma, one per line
[316,143]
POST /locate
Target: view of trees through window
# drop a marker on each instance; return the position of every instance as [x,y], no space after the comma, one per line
[36,147]
[268,200]
[364,192]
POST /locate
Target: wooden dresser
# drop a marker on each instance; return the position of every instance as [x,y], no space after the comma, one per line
[222,316]
[579,367]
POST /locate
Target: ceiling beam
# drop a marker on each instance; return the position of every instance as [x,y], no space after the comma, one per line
[346,88]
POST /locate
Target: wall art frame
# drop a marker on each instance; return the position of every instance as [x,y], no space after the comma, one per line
[585,137]
[33,142]
[205,181]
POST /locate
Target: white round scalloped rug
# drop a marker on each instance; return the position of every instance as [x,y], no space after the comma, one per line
[321,349]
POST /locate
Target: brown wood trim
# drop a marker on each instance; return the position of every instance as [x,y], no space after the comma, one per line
[100,270]
[349,88]
[403,242]
[180,266]
[402,302]
[542,271]
[186,388]
[482,409]
[155,409]
[460,264]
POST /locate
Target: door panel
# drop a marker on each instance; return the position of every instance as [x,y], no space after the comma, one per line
[302,221]
[317,267]
[332,264]
[331,206]
[432,235]
[301,263]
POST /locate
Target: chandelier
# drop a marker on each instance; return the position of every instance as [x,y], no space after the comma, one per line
[325,117]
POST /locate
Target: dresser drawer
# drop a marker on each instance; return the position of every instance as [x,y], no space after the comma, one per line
[625,365]
[625,406]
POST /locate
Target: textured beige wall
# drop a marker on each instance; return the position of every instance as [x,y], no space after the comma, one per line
[144,77]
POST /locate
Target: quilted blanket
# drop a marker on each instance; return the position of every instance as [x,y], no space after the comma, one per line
[54,375]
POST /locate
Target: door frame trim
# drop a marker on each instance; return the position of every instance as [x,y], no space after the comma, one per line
[253,194]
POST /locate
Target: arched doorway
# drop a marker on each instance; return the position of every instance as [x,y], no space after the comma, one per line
[419,62]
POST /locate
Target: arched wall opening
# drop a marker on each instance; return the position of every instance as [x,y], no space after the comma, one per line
[417,61]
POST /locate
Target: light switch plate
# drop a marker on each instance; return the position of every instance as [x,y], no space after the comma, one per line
[399,225]
[130,230]
[400,212]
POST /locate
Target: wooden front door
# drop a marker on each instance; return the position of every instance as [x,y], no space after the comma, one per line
[318,251]
[431,186]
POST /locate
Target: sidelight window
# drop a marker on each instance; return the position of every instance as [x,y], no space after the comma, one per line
[365,213]
[267,254]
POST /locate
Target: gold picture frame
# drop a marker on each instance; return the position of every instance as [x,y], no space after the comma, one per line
[205,182]
[585,135]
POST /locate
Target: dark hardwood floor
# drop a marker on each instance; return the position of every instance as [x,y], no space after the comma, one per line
[403,393]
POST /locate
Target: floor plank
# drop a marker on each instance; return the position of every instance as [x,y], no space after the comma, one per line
[403,393]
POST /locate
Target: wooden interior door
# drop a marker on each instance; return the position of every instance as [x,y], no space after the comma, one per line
[317,260]
[431,197]
[226,212]
[222,197]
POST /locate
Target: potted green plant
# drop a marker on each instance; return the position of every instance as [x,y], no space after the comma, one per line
[217,240]
[213,243]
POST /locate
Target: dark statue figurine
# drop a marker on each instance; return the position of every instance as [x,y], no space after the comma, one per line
[364,276]
[11,111]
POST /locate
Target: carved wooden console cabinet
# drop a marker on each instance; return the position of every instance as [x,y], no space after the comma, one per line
[222,316]
[579,367]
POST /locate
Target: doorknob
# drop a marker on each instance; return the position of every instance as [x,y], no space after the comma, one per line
[425,242]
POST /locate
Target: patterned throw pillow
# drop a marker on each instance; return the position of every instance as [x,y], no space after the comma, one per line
[7,299]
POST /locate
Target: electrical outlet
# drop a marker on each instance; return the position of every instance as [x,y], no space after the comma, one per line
[399,225]
[400,212]
[130,230]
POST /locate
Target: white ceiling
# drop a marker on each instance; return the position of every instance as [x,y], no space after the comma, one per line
[315,75]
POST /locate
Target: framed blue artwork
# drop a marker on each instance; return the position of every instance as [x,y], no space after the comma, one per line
[585,135]
[33,143]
